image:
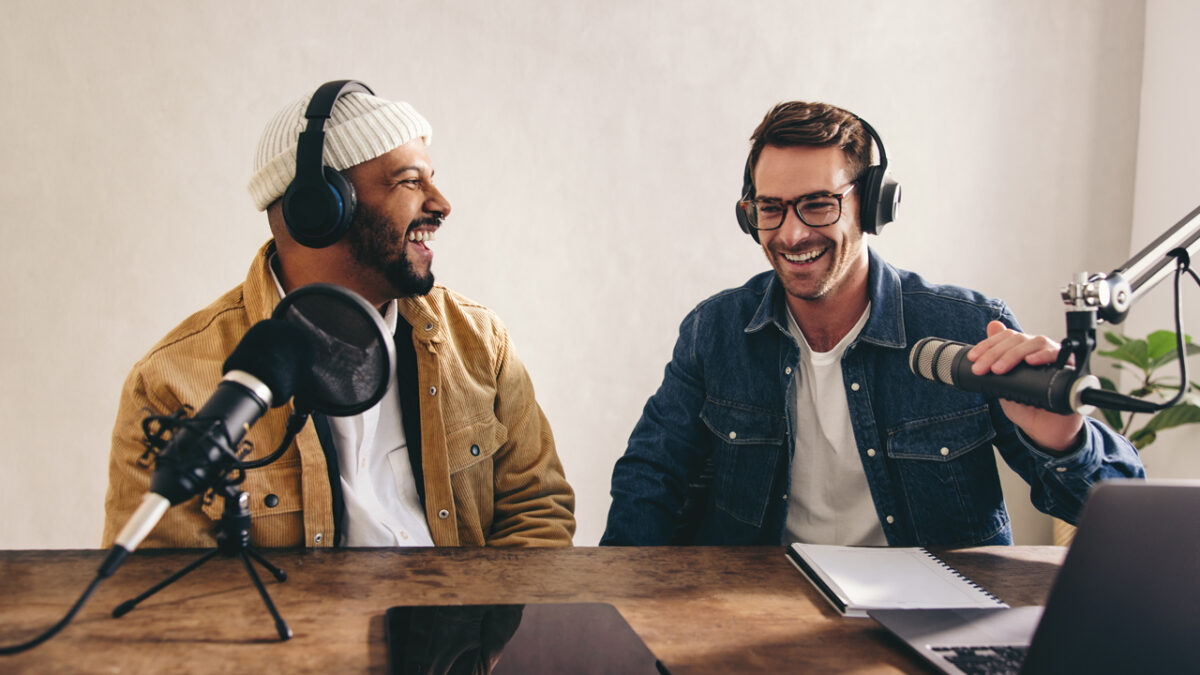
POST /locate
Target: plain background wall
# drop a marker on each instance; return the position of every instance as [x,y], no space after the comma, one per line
[1168,144]
[592,152]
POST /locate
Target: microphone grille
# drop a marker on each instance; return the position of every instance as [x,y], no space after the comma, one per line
[933,359]
[945,361]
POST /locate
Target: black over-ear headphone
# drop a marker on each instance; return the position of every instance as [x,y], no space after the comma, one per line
[319,203]
[879,199]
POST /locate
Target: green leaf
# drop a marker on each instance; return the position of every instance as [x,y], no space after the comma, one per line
[1160,343]
[1112,418]
[1133,351]
[1175,416]
[1115,338]
[1141,438]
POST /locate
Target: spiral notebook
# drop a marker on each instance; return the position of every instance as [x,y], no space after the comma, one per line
[858,578]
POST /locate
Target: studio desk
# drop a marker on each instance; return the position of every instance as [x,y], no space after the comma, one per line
[699,609]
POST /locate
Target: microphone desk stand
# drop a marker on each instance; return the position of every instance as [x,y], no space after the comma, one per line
[233,539]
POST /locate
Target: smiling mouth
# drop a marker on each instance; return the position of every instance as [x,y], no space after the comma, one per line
[806,257]
[422,236]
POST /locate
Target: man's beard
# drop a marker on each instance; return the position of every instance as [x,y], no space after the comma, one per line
[378,246]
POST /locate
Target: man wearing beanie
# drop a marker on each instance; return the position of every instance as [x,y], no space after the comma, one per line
[457,453]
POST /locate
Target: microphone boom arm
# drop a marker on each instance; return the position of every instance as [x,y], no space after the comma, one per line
[1109,297]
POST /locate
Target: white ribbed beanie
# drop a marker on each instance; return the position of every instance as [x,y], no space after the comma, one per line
[361,128]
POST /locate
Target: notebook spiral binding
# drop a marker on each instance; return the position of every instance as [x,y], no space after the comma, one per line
[949,568]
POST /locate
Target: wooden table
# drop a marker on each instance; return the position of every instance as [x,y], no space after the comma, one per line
[701,610]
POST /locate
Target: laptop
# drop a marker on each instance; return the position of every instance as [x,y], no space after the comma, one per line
[1126,599]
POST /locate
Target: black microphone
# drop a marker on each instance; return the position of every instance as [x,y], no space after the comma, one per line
[263,371]
[1047,387]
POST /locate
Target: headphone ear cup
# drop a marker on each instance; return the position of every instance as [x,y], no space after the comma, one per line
[747,193]
[317,214]
[744,220]
[868,217]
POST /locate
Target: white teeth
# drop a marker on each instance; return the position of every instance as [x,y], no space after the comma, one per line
[804,257]
[425,236]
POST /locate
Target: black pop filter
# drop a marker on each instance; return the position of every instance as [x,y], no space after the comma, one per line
[354,355]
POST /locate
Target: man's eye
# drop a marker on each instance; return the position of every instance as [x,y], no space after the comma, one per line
[769,208]
[818,205]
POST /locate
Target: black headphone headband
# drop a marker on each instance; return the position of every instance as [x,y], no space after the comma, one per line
[319,204]
[879,198]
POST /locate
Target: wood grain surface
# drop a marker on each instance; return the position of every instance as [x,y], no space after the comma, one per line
[700,609]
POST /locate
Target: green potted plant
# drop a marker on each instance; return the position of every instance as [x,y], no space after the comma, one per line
[1143,358]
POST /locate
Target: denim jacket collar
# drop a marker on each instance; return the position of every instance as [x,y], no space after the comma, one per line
[885,326]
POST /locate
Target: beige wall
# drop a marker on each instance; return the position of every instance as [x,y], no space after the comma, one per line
[592,152]
[1168,145]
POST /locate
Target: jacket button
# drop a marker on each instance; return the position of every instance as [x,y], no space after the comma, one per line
[271,501]
[890,520]
[854,386]
[732,435]
[787,371]
[475,450]
[870,452]
[443,514]
[944,451]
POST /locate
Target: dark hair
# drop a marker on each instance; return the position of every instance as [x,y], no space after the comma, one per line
[798,123]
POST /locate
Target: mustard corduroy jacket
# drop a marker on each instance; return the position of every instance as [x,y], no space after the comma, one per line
[474,392]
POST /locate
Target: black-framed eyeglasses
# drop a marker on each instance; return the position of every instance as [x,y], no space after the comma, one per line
[817,210]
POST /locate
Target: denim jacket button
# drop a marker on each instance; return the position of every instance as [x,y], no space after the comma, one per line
[944,451]
[870,452]
[732,435]
[854,386]
[890,520]
[787,371]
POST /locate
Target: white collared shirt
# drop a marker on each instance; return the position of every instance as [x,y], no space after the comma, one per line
[383,507]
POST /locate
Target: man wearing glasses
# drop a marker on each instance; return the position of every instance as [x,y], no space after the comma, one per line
[788,411]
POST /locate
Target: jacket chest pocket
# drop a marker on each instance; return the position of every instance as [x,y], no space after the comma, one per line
[747,447]
[472,453]
[948,474]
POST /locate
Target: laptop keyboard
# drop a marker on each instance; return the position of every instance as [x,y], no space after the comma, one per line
[984,660]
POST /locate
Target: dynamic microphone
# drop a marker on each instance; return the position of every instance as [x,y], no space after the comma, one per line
[262,372]
[1047,387]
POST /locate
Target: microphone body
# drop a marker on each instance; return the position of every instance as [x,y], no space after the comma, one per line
[261,372]
[1047,387]
[203,450]
[198,454]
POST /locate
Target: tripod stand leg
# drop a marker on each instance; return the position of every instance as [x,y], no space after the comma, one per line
[281,626]
[123,608]
[279,574]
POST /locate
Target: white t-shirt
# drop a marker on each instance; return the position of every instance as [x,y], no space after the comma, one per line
[383,507]
[829,501]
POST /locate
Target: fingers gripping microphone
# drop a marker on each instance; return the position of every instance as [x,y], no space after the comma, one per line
[1047,387]
[261,373]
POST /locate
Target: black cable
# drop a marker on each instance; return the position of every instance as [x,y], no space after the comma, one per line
[16,649]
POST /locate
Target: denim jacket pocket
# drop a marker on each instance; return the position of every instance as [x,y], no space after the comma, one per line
[948,475]
[941,438]
[747,443]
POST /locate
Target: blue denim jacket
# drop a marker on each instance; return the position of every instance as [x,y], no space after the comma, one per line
[709,461]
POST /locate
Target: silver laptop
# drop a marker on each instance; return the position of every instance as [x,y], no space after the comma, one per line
[1126,599]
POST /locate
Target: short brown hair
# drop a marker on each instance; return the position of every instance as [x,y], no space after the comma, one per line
[797,123]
